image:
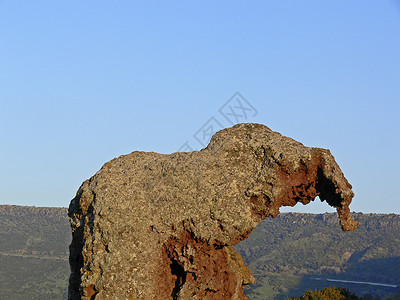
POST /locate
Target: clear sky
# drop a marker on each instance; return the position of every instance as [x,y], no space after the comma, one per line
[82,82]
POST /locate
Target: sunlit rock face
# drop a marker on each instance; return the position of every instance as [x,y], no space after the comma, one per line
[156,226]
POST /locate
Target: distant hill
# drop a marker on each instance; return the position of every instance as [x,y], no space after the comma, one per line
[288,255]
[295,252]
[33,252]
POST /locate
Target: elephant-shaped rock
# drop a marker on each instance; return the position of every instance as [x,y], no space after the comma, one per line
[158,226]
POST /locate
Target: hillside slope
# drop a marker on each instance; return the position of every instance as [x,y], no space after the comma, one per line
[296,252]
[33,252]
[286,254]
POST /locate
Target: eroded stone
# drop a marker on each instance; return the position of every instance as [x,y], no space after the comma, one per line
[156,226]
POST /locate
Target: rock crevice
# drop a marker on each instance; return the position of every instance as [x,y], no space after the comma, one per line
[156,226]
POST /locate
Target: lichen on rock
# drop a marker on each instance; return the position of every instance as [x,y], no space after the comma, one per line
[157,226]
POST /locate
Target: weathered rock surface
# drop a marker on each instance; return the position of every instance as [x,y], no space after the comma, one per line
[156,226]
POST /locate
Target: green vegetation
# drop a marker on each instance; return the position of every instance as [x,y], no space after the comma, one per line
[33,278]
[328,293]
[288,255]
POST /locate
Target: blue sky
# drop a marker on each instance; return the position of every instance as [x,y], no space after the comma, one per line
[82,82]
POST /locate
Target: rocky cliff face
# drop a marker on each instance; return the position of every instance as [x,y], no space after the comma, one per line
[155,226]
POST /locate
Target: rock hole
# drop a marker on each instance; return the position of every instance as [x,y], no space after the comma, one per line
[327,190]
[178,271]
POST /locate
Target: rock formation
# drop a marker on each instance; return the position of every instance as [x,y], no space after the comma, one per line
[157,226]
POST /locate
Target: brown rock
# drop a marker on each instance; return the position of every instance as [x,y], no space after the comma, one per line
[156,226]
